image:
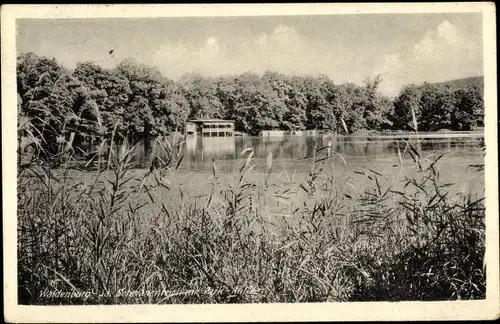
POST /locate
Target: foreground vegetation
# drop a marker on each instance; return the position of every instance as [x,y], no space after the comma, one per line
[251,240]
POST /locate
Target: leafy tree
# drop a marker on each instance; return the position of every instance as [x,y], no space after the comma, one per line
[354,118]
[295,117]
[469,109]
[155,105]
[226,92]
[289,99]
[51,100]
[244,101]
[376,108]
[201,93]
[406,102]
[106,95]
[342,104]
[328,113]
[255,107]
[316,103]
[387,112]
[172,109]
[435,107]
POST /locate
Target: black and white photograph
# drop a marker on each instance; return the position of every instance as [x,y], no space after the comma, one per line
[205,156]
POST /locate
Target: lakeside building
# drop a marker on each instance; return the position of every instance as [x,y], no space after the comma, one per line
[209,128]
[209,138]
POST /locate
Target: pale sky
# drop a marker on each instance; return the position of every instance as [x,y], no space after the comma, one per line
[403,48]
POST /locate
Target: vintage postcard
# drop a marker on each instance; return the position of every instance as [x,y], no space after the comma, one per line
[257,162]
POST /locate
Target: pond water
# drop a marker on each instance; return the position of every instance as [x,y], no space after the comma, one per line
[295,153]
[299,150]
[292,159]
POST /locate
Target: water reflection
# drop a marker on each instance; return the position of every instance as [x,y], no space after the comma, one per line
[302,146]
[199,152]
[201,149]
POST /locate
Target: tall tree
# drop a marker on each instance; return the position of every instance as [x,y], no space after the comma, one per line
[406,102]
[255,107]
[201,93]
[289,99]
[295,117]
[156,105]
[468,111]
[106,94]
[355,119]
[435,108]
[50,100]
[376,109]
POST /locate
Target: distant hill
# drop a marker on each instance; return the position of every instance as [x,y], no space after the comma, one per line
[461,83]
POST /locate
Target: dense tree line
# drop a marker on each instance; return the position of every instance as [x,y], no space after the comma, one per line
[140,103]
[435,109]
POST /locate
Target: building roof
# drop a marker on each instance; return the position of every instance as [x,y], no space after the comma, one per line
[210,121]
